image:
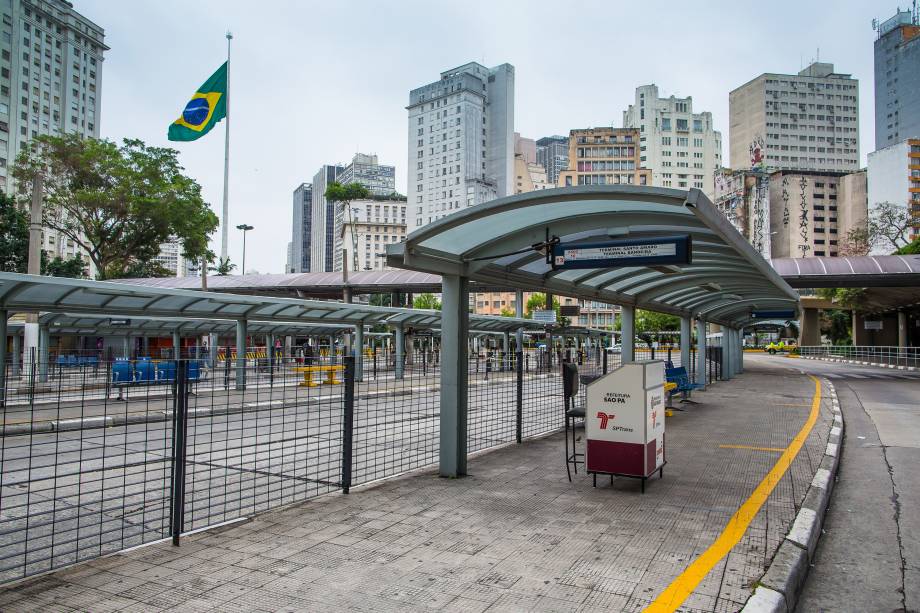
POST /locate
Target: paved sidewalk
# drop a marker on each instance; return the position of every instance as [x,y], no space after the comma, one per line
[514,535]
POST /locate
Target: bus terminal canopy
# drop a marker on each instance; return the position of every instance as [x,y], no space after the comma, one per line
[30,293]
[493,243]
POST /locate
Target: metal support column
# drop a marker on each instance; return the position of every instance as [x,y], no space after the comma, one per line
[17,356]
[3,317]
[727,348]
[686,334]
[44,350]
[506,348]
[700,352]
[519,312]
[454,374]
[240,354]
[359,352]
[628,332]
[400,351]
[177,345]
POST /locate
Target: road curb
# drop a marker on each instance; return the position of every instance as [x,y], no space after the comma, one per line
[862,363]
[779,588]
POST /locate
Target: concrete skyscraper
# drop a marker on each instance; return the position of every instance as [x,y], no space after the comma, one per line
[322,223]
[50,83]
[897,80]
[553,155]
[806,121]
[302,231]
[680,147]
[461,141]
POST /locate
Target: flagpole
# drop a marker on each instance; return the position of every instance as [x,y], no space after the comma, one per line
[226,210]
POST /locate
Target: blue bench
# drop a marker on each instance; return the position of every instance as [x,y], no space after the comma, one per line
[684,385]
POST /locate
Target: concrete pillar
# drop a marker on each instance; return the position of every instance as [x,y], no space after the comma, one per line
[700,352]
[359,352]
[519,312]
[241,354]
[727,346]
[44,350]
[902,329]
[17,356]
[686,339]
[401,346]
[628,332]
[213,342]
[810,330]
[3,327]
[454,374]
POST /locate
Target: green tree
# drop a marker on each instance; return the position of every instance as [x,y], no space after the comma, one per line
[889,226]
[14,236]
[910,249]
[379,300]
[223,268]
[537,302]
[116,202]
[650,323]
[836,325]
[73,268]
[507,312]
[847,297]
[341,196]
[427,301]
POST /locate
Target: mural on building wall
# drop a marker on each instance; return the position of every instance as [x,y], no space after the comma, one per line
[804,247]
[785,202]
[757,154]
[760,222]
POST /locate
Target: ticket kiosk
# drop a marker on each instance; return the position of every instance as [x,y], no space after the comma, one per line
[624,422]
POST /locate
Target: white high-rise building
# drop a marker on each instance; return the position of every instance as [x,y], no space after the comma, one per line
[805,121]
[461,141]
[680,147]
[50,83]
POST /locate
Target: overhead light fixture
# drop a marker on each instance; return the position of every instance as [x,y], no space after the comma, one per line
[711,287]
[732,297]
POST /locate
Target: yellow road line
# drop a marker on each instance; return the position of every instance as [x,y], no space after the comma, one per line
[675,594]
[752,448]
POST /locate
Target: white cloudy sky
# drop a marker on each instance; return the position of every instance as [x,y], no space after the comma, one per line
[313,82]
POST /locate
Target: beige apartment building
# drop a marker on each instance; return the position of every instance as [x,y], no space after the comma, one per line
[604,156]
[373,225]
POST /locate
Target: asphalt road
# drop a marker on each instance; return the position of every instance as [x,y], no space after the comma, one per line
[73,495]
[869,556]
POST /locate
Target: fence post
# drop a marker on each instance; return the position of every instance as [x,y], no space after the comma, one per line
[180,429]
[605,361]
[348,423]
[519,415]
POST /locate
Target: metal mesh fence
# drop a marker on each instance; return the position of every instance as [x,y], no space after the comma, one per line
[101,455]
[396,418]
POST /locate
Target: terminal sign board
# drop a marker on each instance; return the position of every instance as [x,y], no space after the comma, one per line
[623,252]
[624,421]
[547,316]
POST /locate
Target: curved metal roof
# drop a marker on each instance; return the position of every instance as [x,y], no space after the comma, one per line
[30,293]
[313,284]
[726,280]
[861,271]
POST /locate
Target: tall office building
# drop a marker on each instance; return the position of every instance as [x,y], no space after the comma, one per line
[302,229]
[380,181]
[897,80]
[50,83]
[461,141]
[322,221]
[553,155]
[680,147]
[807,121]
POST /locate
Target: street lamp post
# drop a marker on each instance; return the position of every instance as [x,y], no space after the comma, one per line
[245,228]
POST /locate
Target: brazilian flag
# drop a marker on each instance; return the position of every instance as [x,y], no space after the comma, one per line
[207,107]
